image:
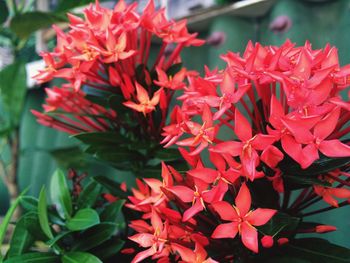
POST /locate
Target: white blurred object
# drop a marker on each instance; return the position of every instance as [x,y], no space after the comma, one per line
[32,69]
[181,8]
[6,57]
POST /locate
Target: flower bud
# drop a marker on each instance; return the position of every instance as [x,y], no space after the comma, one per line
[267,241]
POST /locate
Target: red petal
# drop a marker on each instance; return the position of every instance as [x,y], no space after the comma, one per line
[292,148]
[225,211]
[156,221]
[271,156]
[243,200]
[326,126]
[243,129]
[340,192]
[334,148]
[142,94]
[143,239]
[228,230]
[144,254]
[261,141]
[310,154]
[193,210]
[184,193]
[206,174]
[233,148]
[249,237]
[185,253]
[260,216]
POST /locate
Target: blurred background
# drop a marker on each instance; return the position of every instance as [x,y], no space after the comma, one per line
[32,152]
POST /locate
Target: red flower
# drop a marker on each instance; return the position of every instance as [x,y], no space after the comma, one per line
[242,219]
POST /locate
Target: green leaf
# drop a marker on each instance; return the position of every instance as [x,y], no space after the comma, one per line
[42,212]
[60,195]
[111,211]
[95,236]
[27,23]
[100,138]
[70,157]
[112,186]
[78,257]
[174,69]
[58,238]
[83,219]
[89,195]
[37,257]
[168,155]
[296,180]
[64,5]
[321,166]
[13,88]
[4,11]
[29,203]
[280,222]
[21,240]
[109,249]
[7,218]
[317,250]
[32,224]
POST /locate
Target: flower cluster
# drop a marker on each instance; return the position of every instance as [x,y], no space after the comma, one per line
[104,58]
[274,116]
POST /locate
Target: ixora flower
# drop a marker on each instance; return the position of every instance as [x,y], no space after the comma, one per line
[104,58]
[270,124]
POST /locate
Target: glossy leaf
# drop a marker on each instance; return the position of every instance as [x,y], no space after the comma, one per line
[111,186]
[167,155]
[37,257]
[95,236]
[29,203]
[318,250]
[21,240]
[78,257]
[13,89]
[60,195]
[83,219]
[298,181]
[42,211]
[89,195]
[280,222]
[27,23]
[100,138]
[111,211]
[32,224]
[6,221]
[70,157]
[4,11]
[58,238]
[108,250]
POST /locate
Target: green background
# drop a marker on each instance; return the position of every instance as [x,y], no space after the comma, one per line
[320,22]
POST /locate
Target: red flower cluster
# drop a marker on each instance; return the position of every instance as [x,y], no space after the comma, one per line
[106,54]
[271,104]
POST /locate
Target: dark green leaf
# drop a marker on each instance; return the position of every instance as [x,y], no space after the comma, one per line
[42,212]
[4,11]
[37,257]
[13,89]
[6,221]
[286,260]
[320,166]
[280,222]
[303,180]
[79,257]
[70,157]
[111,211]
[108,249]
[58,238]
[317,250]
[167,155]
[83,219]
[100,138]
[60,195]
[21,240]
[29,203]
[89,195]
[263,194]
[174,69]
[27,23]
[95,236]
[64,5]
[112,186]
[31,223]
